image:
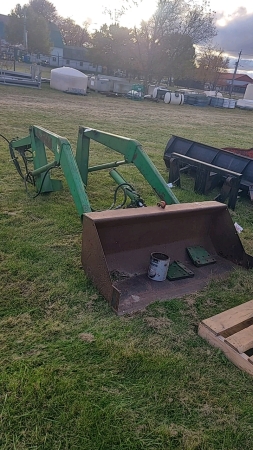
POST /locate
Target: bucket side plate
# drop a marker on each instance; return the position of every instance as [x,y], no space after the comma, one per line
[117,245]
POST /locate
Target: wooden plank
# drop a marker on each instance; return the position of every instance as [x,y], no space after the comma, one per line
[251,360]
[241,341]
[230,318]
[239,359]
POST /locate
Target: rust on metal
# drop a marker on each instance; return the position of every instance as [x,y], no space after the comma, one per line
[117,245]
[45,138]
[162,204]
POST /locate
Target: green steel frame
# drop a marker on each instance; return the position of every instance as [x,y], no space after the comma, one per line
[76,169]
[132,152]
[38,140]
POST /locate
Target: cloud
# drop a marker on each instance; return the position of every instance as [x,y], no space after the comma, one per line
[237,32]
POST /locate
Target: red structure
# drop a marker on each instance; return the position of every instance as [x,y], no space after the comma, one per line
[240,151]
[241,81]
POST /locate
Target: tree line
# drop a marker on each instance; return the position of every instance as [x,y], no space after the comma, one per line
[164,46]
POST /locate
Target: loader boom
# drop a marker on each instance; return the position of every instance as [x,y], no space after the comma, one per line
[117,244]
[133,154]
[76,170]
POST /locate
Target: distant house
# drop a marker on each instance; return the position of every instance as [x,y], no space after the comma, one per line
[55,39]
[75,57]
[241,81]
[3,23]
[60,55]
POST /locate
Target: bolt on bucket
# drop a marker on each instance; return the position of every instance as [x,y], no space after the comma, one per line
[117,245]
[158,266]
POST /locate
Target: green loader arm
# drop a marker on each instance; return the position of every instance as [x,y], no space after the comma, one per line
[132,152]
[76,169]
[38,139]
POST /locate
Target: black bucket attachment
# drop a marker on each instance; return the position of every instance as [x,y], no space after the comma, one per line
[212,155]
[117,245]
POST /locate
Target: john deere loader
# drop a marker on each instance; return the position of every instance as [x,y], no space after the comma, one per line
[198,239]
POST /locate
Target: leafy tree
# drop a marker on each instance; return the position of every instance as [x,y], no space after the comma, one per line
[165,43]
[122,7]
[24,18]
[179,56]
[16,23]
[144,55]
[211,62]
[45,9]
[72,33]
[112,47]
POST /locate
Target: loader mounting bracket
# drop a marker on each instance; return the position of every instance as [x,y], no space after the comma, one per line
[199,256]
[178,271]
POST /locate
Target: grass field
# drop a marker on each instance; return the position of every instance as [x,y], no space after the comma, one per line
[72,374]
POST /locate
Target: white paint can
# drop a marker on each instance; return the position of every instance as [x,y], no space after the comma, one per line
[158,266]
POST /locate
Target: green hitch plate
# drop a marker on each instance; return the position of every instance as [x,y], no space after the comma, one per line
[199,256]
[178,271]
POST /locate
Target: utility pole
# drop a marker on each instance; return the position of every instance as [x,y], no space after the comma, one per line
[25,30]
[234,74]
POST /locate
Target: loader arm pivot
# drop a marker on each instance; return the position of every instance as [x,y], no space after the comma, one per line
[40,139]
[64,157]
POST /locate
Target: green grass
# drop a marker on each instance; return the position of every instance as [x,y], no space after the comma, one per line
[72,374]
[23,67]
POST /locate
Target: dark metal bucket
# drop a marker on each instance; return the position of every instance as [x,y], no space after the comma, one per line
[117,246]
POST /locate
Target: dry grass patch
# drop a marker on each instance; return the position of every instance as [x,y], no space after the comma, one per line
[72,374]
[87,337]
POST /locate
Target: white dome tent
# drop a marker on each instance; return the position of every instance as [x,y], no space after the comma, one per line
[69,80]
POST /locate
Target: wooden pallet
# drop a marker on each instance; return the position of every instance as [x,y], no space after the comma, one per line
[232,332]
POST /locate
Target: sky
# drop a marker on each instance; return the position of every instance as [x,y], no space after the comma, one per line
[234,21]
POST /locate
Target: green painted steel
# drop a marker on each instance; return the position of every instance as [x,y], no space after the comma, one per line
[82,156]
[133,153]
[64,156]
[42,180]
[76,187]
[125,186]
[40,139]
[23,142]
[76,169]
[178,271]
[199,256]
[117,177]
[106,166]
[43,169]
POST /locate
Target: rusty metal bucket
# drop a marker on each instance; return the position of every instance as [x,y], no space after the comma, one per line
[117,245]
